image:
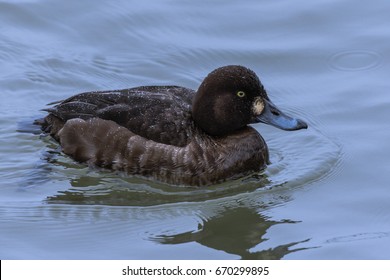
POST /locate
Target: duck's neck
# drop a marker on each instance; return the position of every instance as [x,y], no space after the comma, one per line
[211,116]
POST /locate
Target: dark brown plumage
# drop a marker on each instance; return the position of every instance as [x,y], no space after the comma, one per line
[169,133]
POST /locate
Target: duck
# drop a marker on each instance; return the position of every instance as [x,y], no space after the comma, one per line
[172,134]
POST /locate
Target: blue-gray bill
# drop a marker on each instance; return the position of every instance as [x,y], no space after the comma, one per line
[273,116]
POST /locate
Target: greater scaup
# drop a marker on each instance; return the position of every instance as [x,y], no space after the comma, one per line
[169,133]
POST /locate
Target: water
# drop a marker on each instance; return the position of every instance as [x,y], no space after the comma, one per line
[325,195]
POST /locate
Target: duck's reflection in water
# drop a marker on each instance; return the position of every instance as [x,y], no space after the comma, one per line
[235,231]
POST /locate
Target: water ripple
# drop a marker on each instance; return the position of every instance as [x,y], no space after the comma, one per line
[359,237]
[355,60]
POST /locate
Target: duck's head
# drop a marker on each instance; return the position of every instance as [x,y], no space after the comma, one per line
[232,97]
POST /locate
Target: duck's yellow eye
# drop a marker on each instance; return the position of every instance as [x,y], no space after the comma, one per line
[240,93]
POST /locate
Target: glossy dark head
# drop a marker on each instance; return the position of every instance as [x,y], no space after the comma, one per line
[232,97]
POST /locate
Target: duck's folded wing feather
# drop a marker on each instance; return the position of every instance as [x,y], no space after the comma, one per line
[162,114]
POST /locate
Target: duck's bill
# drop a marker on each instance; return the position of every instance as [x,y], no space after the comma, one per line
[273,116]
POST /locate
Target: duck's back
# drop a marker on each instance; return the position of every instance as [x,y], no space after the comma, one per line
[158,113]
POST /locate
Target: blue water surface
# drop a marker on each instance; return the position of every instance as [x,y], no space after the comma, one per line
[326,193]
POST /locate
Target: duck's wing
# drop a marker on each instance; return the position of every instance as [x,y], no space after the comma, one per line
[158,113]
